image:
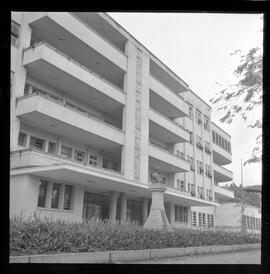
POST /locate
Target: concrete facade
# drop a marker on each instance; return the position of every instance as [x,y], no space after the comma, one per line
[93,113]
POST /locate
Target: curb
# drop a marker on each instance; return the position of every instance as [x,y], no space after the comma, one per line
[118,257]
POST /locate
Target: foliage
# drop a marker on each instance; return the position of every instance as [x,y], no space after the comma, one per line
[241,99]
[41,236]
[251,198]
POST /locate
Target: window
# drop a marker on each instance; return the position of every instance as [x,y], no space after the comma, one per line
[189,187]
[55,195]
[206,123]
[200,192]
[93,159]
[52,148]
[66,151]
[200,218]
[194,218]
[191,138]
[199,142]
[42,192]
[79,155]
[182,186]
[229,147]
[37,143]
[181,214]
[105,163]
[192,192]
[190,113]
[203,219]
[199,167]
[192,164]
[15,30]
[67,197]
[207,147]
[22,139]
[210,220]
[198,117]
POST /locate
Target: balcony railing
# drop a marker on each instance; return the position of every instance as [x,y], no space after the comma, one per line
[178,190]
[97,33]
[178,95]
[36,44]
[169,152]
[57,156]
[59,102]
[168,119]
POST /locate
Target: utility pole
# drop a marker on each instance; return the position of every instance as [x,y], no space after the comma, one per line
[242,204]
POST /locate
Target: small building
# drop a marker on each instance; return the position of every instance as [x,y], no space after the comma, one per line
[228,216]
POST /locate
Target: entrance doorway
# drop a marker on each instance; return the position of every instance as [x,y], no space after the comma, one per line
[95,206]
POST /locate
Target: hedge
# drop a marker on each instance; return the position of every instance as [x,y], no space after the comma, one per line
[43,236]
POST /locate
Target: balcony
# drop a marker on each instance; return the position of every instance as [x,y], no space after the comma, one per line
[166,130]
[55,167]
[54,117]
[166,161]
[70,34]
[165,101]
[56,70]
[221,156]
[223,194]
[222,174]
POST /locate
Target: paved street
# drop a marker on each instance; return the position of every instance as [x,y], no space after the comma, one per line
[243,257]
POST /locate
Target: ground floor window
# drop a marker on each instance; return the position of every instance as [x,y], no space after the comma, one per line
[55,195]
[194,218]
[50,195]
[42,193]
[181,214]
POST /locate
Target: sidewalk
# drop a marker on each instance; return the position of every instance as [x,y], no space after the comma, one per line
[129,255]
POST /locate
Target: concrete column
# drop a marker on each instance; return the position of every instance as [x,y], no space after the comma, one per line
[18,82]
[144,157]
[58,145]
[172,219]
[49,195]
[189,216]
[144,203]
[130,87]
[61,196]
[113,205]
[123,207]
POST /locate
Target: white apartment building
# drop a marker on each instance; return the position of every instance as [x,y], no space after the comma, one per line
[93,113]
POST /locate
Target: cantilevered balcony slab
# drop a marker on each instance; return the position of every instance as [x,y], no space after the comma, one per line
[221,156]
[166,130]
[223,194]
[166,101]
[47,115]
[222,174]
[166,161]
[53,68]
[76,37]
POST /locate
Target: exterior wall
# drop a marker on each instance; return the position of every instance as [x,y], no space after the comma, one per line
[135,64]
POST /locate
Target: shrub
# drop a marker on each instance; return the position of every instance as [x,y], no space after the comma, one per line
[41,236]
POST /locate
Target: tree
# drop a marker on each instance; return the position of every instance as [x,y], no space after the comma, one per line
[251,198]
[241,99]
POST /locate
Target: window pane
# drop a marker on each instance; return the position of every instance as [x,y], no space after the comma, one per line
[67,197]
[52,148]
[37,143]
[66,151]
[55,195]
[79,155]
[42,192]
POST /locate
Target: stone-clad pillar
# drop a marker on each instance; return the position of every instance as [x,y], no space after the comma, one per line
[144,203]
[113,205]
[123,207]
[172,207]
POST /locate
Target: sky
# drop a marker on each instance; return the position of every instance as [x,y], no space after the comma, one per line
[197,47]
